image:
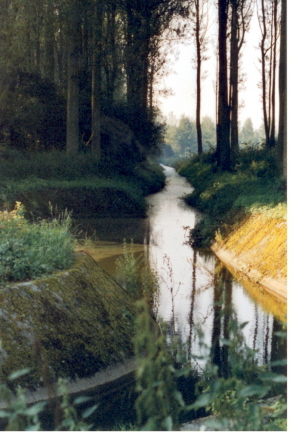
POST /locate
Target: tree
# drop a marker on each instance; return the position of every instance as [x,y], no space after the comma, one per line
[96,94]
[208,133]
[186,136]
[201,27]
[74,10]
[223,121]
[241,13]
[247,132]
[146,21]
[282,138]
[268,18]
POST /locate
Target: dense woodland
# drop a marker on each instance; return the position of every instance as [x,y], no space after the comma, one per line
[64,64]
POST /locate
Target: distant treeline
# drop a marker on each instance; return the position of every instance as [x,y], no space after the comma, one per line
[181,136]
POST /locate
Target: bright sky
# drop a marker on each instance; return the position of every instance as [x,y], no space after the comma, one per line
[182,82]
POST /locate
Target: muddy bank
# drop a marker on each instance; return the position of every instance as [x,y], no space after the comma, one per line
[72,324]
[257,247]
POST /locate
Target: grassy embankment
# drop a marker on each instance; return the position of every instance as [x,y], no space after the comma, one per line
[245,211]
[41,181]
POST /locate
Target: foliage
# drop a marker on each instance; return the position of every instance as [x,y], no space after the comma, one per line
[138,277]
[252,186]
[56,165]
[183,138]
[143,122]
[31,250]
[238,399]
[77,183]
[159,402]
[19,415]
[33,113]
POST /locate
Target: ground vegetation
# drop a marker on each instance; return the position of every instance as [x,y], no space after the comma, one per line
[226,197]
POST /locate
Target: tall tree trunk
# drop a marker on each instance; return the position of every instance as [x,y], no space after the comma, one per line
[262,22]
[49,66]
[282,138]
[96,80]
[234,67]
[73,61]
[198,78]
[272,138]
[111,65]
[223,126]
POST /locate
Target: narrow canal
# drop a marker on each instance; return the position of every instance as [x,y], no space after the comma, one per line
[194,286]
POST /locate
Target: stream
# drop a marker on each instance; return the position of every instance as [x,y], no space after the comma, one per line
[195,288]
[189,277]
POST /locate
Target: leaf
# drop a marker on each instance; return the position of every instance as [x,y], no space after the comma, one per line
[281,334]
[226,342]
[252,390]
[89,411]
[179,398]
[280,379]
[81,399]
[18,374]
[270,376]
[243,325]
[35,427]
[168,422]
[279,362]
[35,409]
[202,401]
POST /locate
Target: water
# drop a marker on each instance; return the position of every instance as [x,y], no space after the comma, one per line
[191,280]
[195,289]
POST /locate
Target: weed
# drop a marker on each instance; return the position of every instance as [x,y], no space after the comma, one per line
[159,402]
[138,277]
[30,250]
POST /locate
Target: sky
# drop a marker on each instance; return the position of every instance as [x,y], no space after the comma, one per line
[182,82]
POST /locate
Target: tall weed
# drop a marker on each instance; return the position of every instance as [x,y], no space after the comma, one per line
[159,402]
[138,277]
[31,250]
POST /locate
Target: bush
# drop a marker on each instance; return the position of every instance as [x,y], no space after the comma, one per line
[31,250]
[251,186]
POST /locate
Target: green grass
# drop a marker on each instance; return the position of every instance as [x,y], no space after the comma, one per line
[252,186]
[78,183]
[28,251]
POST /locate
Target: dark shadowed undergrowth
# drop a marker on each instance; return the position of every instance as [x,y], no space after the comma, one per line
[79,184]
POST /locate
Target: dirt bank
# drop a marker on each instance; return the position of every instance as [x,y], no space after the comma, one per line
[75,323]
[257,247]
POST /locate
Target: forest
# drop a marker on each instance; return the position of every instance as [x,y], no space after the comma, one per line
[66,64]
[81,142]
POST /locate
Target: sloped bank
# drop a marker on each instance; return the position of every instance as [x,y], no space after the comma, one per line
[73,324]
[123,195]
[257,247]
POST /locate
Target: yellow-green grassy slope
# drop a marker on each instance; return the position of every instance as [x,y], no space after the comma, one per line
[257,247]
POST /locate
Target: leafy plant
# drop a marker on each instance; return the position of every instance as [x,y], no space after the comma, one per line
[31,250]
[17,414]
[238,400]
[159,402]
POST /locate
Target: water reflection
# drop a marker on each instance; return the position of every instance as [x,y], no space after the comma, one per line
[196,290]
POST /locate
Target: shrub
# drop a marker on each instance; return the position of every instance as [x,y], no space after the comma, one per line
[31,250]
[253,185]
